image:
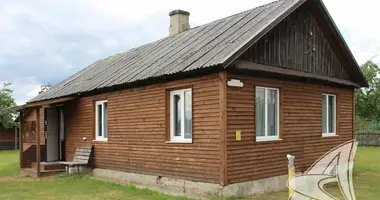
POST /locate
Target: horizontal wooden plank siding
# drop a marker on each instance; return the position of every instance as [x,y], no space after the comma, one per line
[137,132]
[300,127]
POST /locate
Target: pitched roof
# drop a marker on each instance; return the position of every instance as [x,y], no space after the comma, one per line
[209,45]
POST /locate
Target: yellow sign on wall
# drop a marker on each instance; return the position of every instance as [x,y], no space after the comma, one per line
[238,135]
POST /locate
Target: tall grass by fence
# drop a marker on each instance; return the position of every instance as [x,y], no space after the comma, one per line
[368,138]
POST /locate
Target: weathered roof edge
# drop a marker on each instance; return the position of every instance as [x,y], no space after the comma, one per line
[128,85]
[284,72]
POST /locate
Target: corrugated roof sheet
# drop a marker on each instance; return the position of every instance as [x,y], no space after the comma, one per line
[200,47]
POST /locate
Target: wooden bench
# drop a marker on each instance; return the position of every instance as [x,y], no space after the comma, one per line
[81,158]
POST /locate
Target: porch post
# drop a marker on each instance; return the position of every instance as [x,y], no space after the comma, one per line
[38,146]
[21,146]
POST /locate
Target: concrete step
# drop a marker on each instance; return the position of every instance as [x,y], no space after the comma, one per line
[33,172]
[49,166]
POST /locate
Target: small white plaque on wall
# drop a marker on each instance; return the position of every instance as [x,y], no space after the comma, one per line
[235,83]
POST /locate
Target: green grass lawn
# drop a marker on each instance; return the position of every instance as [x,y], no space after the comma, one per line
[16,186]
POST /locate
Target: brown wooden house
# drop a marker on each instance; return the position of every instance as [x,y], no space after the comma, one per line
[221,104]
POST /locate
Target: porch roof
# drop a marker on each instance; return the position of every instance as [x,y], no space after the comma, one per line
[46,103]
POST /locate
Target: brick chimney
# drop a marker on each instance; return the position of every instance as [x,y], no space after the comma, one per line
[179,21]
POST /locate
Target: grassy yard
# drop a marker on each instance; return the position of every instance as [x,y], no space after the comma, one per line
[16,186]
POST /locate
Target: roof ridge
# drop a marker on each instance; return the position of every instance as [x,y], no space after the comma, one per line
[208,23]
[137,47]
[239,13]
[199,26]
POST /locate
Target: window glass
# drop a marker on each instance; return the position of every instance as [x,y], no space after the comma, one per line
[181,115]
[272,112]
[188,114]
[177,115]
[260,112]
[328,114]
[267,113]
[105,119]
[324,114]
[100,127]
[331,114]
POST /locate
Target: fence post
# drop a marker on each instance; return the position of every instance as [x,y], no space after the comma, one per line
[15,137]
[291,174]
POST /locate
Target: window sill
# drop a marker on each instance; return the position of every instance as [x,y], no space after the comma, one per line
[268,140]
[326,135]
[179,142]
[106,140]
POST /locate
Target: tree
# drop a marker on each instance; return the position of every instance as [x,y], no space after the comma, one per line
[367,100]
[7,104]
[44,88]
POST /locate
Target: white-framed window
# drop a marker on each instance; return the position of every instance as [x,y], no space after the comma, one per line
[267,113]
[181,119]
[101,120]
[328,115]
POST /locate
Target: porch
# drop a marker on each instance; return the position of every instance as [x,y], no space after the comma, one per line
[46,169]
[42,138]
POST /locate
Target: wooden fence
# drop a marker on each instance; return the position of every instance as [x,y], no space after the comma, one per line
[7,139]
[360,131]
[369,139]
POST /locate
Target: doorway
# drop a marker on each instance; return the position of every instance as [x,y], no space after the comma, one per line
[54,133]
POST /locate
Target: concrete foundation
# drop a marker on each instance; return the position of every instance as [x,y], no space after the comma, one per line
[82,169]
[191,188]
[255,187]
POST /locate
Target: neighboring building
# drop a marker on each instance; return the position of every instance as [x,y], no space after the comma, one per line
[219,105]
[9,139]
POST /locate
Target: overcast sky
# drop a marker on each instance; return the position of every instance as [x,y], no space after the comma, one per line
[44,41]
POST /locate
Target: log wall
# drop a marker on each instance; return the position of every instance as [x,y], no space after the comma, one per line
[138,135]
[300,127]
